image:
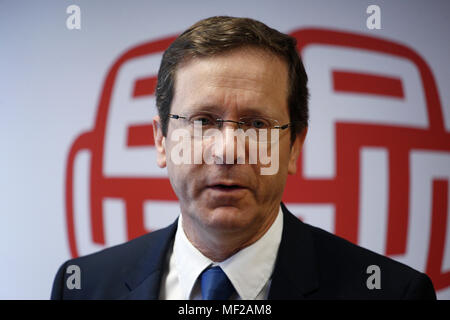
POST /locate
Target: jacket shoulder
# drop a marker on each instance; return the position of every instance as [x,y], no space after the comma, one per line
[126,252]
[356,272]
[106,270]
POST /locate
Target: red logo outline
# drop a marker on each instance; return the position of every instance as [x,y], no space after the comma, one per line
[342,191]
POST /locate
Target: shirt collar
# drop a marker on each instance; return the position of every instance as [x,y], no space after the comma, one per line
[189,261]
[249,269]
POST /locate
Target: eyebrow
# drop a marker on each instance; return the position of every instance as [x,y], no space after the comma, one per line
[247,111]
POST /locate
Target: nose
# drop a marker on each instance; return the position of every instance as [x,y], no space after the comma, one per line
[223,122]
[232,149]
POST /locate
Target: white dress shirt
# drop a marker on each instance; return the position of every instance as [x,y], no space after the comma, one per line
[249,270]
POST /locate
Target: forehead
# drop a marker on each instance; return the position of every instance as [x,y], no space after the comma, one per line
[245,79]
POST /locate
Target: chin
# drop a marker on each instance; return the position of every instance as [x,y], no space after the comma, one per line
[228,218]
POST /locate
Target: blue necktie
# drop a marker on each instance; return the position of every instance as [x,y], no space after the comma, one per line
[215,284]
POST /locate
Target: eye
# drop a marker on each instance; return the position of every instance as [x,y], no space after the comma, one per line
[258,123]
[205,120]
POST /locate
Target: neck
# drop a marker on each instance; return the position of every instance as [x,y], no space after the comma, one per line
[219,245]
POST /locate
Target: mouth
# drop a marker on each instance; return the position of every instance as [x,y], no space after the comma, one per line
[227,187]
[224,187]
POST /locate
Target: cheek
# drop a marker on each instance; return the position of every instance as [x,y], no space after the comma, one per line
[186,180]
[285,154]
[273,184]
[179,179]
[276,182]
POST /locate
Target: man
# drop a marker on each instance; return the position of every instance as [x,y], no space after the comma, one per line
[222,81]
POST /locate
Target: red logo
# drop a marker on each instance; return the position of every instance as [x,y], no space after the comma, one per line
[387,112]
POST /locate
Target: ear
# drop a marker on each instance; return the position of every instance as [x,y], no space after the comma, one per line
[295,151]
[160,142]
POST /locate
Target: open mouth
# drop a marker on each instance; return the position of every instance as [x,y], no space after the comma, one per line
[225,187]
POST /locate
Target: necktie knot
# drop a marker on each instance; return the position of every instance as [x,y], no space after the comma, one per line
[215,284]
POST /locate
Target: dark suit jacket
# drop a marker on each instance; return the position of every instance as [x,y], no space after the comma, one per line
[311,264]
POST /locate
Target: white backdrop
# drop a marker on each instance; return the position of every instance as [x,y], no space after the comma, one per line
[375,168]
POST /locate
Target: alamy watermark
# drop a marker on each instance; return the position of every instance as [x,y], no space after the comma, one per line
[214,146]
[374,20]
[73,21]
[374,280]
[74,280]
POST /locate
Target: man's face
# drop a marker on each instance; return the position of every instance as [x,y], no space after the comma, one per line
[230,197]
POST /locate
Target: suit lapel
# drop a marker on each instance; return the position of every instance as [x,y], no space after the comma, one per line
[144,280]
[295,274]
